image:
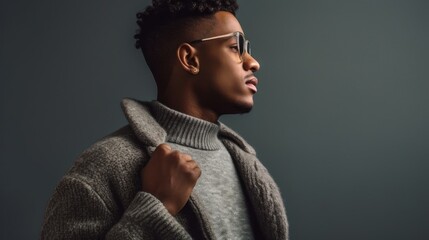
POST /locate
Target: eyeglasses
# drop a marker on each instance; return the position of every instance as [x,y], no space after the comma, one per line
[243,45]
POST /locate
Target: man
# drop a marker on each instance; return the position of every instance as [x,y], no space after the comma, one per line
[175,172]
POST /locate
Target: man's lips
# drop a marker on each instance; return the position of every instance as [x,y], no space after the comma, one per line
[251,84]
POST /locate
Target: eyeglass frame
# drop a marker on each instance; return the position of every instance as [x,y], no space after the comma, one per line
[246,43]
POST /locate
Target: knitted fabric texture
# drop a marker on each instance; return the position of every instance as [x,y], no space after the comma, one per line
[219,187]
[100,197]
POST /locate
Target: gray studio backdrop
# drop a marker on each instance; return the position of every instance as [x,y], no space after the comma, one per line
[341,116]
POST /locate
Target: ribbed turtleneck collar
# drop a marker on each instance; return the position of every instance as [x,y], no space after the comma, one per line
[186,130]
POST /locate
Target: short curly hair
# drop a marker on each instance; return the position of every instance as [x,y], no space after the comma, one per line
[167,22]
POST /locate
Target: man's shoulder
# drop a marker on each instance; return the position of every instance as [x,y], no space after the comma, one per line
[109,168]
[117,146]
[118,153]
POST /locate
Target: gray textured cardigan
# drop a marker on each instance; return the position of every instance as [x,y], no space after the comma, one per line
[99,197]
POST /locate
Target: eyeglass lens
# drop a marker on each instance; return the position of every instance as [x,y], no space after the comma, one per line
[243,45]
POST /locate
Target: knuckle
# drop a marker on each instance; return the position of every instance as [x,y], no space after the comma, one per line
[191,170]
[190,173]
[196,175]
[186,156]
[198,172]
[163,148]
[175,155]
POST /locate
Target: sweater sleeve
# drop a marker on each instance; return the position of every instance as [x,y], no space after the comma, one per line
[76,211]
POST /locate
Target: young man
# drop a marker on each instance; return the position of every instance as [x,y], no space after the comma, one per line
[175,172]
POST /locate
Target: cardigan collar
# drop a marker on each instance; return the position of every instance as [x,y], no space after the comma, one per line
[262,191]
[186,130]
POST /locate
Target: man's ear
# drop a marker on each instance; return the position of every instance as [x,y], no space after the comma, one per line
[188,58]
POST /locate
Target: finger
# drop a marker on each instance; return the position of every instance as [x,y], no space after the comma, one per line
[192,164]
[196,172]
[180,156]
[195,168]
[163,148]
[186,157]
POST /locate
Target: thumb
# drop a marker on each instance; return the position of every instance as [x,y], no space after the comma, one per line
[163,149]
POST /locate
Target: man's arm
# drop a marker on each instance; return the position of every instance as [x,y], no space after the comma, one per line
[76,210]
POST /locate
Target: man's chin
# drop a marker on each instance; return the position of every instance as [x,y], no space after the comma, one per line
[247,109]
[235,107]
[243,107]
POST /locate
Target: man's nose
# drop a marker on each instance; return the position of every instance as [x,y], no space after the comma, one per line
[250,63]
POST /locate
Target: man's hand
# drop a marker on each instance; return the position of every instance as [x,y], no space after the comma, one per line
[170,176]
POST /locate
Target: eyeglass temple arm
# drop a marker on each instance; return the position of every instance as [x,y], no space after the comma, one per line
[216,37]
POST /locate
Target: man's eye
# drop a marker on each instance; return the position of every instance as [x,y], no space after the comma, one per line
[234,48]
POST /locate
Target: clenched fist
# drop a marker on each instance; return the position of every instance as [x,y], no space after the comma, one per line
[170,176]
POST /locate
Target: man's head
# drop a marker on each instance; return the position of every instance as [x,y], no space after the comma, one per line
[209,73]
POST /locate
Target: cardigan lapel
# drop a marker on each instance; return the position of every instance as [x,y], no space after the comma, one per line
[140,119]
[262,191]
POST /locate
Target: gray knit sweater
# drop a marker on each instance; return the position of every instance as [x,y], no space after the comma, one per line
[219,186]
[100,197]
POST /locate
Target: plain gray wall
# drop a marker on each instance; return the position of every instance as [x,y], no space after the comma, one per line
[341,116]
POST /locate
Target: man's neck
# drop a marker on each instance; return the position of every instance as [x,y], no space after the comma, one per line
[188,106]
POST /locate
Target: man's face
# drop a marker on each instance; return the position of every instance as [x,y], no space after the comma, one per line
[225,84]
